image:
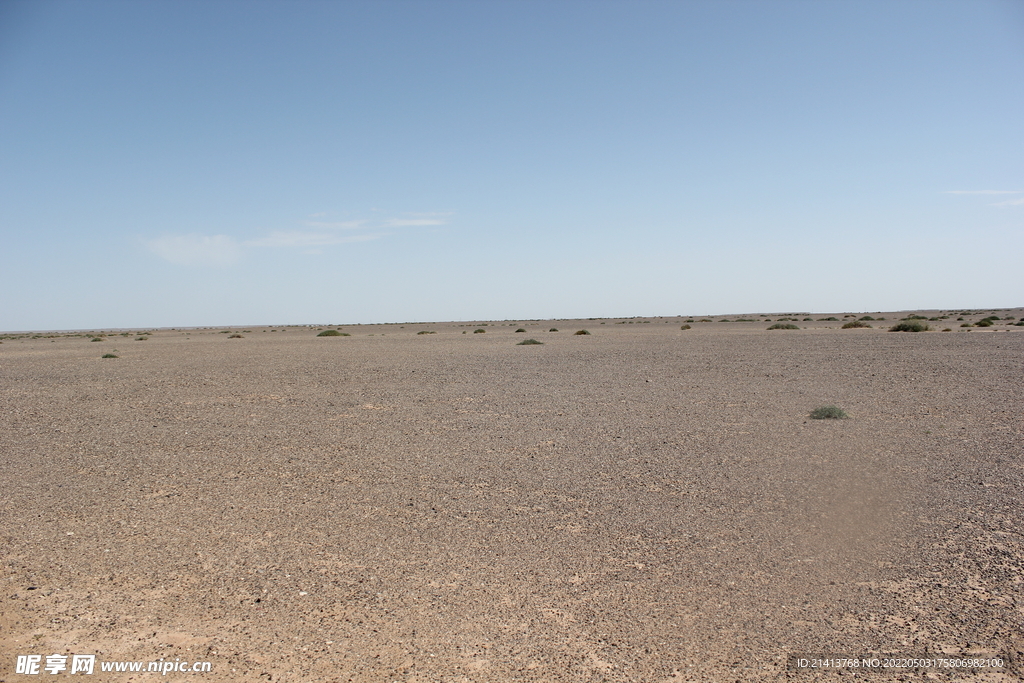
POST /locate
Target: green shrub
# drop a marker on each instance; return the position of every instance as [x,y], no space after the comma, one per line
[910,326]
[705,320]
[966,325]
[235,336]
[948,329]
[479,331]
[784,326]
[95,339]
[827,319]
[855,323]
[140,338]
[685,327]
[915,317]
[520,330]
[581,332]
[553,329]
[109,355]
[426,332]
[528,342]
[333,333]
[984,322]
[829,413]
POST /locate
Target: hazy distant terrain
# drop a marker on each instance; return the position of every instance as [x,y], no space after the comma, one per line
[641,503]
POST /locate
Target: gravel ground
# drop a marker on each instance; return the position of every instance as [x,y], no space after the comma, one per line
[642,503]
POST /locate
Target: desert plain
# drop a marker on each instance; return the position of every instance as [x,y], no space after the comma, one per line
[422,502]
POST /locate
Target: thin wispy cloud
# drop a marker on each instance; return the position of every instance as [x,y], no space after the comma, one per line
[1011,202]
[412,222]
[221,250]
[297,238]
[196,250]
[982,192]
[342,225]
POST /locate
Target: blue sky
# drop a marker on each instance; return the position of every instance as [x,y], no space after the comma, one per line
[242,163]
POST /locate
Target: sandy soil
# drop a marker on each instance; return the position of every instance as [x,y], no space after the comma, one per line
[642,503]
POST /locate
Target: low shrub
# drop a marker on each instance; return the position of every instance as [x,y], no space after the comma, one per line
[235,336]
[829,413]
[528,342]
[109,355]
[333,333]
[95,339]
[553,329]
[426,332]
[910,326]
[984,322]
[581,332]
[479,331]
[867,317]
[784,326]
[685,327]
[855,323]
[520,330]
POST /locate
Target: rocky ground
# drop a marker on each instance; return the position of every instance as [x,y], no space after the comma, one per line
[643,503]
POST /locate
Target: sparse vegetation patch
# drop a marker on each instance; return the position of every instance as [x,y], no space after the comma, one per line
[581,332]
[910,326]
[855,323]
[784,326]
[829,413]
[528,342]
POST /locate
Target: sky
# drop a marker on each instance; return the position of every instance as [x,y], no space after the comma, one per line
[180,163]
